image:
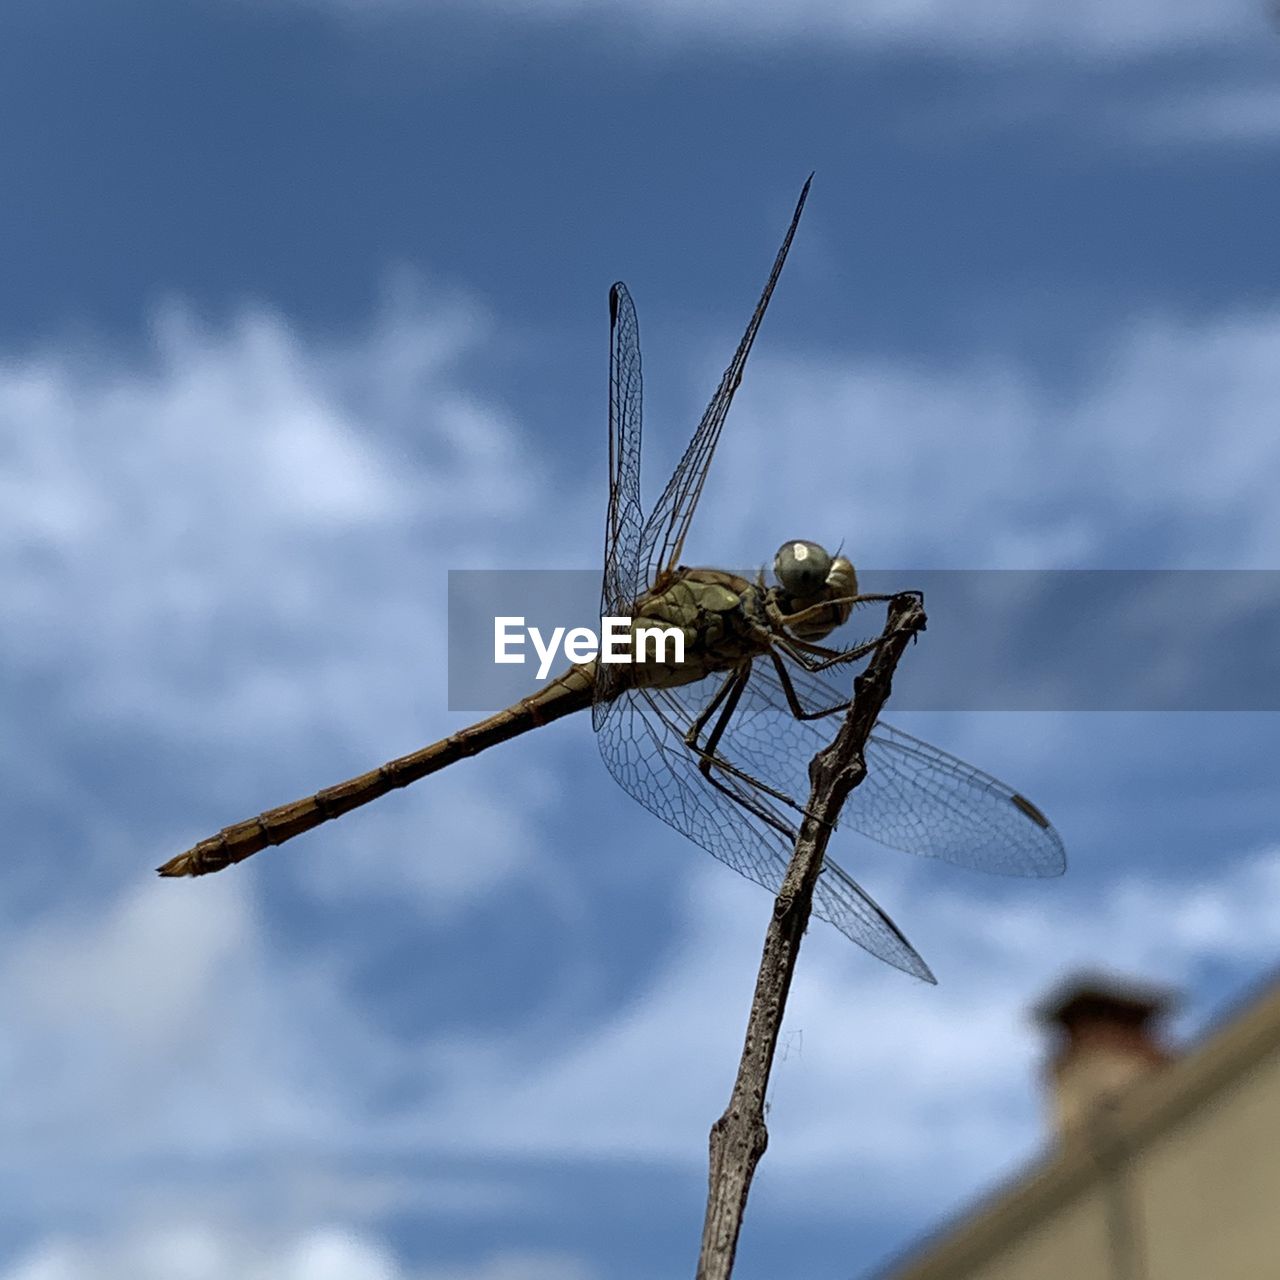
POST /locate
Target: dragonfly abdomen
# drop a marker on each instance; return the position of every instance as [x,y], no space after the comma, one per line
[569,692]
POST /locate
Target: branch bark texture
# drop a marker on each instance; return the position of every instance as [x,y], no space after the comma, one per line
[739,1136]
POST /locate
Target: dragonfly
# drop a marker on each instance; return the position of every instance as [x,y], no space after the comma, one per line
[718,743]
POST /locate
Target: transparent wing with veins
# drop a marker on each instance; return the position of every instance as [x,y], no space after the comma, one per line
[664,532]
[915,797]
[639,552]
[744,827]
[625,519]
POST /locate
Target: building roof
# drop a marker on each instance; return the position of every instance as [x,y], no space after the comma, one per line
[1247,1033]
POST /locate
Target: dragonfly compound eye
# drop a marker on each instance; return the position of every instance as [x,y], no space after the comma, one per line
[842,579]
[801,568]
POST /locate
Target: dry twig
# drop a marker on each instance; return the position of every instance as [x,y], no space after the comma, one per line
[739,1137]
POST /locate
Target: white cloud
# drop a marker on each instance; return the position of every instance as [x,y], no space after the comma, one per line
[520,1266]
[121,1017]
[161,571]
[892,1082]
[199,1252]
[123,1005]
[988,28]
[226,539]
[1231,114]
[219,544]
[981,466]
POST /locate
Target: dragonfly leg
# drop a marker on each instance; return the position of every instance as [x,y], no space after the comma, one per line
[695,729]
[793,699]
[786,620]
[815,657]
[803,651]
[730,693]
[709,763]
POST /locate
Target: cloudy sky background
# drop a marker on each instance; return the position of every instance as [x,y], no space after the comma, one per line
[304,304]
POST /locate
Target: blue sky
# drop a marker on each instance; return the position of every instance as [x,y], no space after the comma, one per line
[304,304]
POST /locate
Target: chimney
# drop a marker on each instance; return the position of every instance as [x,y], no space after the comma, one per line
[1105,1042]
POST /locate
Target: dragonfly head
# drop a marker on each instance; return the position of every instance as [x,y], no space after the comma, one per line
[805,570]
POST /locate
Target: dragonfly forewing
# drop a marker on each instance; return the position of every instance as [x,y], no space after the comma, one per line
[914,797]
[668,524]
[622,583]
